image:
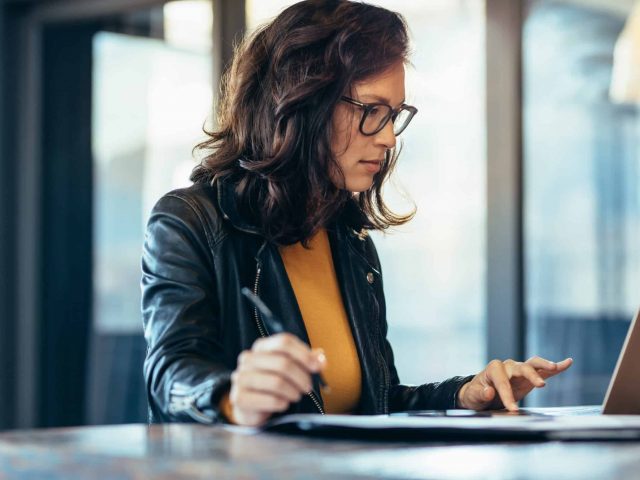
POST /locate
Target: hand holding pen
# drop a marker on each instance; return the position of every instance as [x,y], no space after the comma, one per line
[274,373]
[273,323]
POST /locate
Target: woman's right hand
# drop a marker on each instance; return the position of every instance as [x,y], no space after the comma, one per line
[273,374]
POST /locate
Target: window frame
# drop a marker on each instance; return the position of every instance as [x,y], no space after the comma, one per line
[505,232]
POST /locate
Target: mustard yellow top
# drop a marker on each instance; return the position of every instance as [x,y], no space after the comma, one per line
[313,278]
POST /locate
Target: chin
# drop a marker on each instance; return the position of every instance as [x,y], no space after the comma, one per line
[359,186]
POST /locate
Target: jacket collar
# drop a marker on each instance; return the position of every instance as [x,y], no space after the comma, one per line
[228,204]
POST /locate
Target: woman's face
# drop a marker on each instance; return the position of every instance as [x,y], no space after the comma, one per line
[359,156]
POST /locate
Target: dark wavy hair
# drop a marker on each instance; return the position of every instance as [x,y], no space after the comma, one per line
[274,132]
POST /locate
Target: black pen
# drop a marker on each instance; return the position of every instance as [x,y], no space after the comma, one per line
[274,324]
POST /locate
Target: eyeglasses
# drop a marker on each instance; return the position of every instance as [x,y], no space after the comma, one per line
[376,115]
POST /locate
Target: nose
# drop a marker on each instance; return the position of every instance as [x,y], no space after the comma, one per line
[386,137]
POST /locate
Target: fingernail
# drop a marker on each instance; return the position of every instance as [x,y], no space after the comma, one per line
[319,361]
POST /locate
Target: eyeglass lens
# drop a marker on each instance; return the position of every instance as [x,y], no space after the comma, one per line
[401,121]
[377,117]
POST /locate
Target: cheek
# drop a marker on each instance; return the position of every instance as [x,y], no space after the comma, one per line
[340,131]
[345,130]
[345,144]
[348,157]
[345,137]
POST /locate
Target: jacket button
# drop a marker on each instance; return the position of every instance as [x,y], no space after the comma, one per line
[370,277]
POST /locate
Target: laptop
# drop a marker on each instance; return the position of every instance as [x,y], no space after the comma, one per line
[623,394]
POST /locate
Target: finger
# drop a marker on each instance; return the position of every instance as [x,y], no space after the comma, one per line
[542,363]
[292,346]
[497,377]
[249,418]
[561,367]
[489,393]
[527,371]
[564,364]
[267,382]
[280,364]
[253,401]
[478,396]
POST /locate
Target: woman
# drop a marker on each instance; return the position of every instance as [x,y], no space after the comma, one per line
[282,203]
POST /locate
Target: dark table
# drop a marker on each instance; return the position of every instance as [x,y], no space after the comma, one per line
[195,451]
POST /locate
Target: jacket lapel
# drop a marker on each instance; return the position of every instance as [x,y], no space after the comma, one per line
[275,290]
[354,272]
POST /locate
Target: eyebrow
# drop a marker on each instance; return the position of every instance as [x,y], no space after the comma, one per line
[381,99]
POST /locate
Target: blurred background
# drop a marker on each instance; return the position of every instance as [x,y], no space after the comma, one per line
[523,162]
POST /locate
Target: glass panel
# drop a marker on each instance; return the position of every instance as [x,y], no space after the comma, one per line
[151,99]
[582,201]
[434,267]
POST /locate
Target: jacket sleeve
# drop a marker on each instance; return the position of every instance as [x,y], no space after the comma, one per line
[184,369]
[428,396]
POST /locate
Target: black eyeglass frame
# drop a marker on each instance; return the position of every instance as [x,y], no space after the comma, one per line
[392,115]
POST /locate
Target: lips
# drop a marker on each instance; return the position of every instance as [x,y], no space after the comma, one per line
[372,166]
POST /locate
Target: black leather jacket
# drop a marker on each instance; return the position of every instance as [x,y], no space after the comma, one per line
[198,253]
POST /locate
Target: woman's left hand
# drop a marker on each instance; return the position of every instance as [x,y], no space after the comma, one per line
[502,384]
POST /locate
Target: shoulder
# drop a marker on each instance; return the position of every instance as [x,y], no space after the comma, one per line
[196,196]
[194,208]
